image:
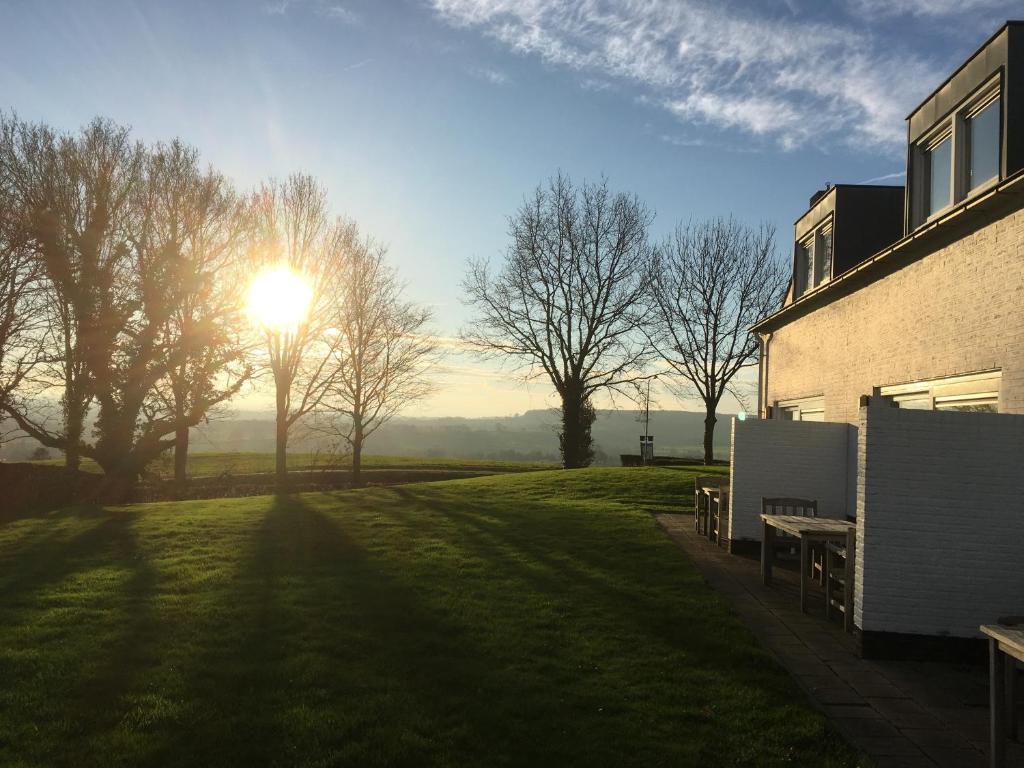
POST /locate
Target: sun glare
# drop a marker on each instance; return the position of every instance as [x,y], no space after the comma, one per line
[279,299]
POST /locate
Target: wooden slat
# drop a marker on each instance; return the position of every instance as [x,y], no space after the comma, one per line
[808,526]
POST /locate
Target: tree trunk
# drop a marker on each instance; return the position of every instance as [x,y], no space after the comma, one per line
[575,440]
[281,457]
[709,437]
[181,456]
[73,428]
[357,453]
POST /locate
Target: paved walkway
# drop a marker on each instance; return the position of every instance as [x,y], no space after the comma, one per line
[899,713]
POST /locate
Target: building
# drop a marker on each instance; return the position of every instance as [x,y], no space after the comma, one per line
[915,293]
[902,332]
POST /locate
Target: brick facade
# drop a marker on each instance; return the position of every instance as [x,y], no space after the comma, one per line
[957,310]
[940,521]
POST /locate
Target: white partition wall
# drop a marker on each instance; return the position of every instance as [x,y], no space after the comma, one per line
[940,520]
[773,457]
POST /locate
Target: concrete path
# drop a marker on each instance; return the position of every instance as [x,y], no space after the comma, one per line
[898,713]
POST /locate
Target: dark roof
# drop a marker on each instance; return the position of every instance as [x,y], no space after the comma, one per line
[834,187]
[955,72]
[958,222]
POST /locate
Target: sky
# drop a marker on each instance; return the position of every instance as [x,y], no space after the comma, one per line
[429,120]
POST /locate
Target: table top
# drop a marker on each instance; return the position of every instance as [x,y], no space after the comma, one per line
[1011,640]
[809,526]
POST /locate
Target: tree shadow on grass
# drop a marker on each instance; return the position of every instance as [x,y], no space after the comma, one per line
[77,626]
[326,656]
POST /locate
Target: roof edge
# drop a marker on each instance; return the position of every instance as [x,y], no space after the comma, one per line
[824,294]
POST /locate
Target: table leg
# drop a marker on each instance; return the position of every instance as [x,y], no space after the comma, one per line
[997,705]
[1010,686]
[848,579]
[805,550]
[826,572]
[767,552]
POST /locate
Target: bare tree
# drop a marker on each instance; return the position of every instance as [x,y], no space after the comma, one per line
[111,226]
[713,280]
[297,233]
[70,193]
[384,352]
[567,299]
[19,304]
[203,226]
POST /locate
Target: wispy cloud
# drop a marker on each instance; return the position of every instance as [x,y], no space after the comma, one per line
[755,71]
[886,177]
[330,10]
[933,8]
[493,76]
[357,65]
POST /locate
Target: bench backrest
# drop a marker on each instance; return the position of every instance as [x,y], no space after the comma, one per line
[789,506]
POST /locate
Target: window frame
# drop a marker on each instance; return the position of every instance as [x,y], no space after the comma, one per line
[810,244]
[942,393]
[955,126]
[798,406]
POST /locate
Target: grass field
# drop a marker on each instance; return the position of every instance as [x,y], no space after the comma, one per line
[208,464]
[528,619]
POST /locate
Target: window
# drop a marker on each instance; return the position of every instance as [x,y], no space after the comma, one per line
[823,254]
[960,156]
[805,266]
[802,409]
[814,259]
[983,130]
[978,392]
[940,169]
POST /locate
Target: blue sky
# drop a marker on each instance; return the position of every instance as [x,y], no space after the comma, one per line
[429,119]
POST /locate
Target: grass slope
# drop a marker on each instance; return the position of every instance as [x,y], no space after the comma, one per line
[531,619]
[207,464]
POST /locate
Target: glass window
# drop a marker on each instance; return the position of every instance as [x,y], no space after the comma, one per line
[823,264]
[940,166]
[804,267]
[983,129]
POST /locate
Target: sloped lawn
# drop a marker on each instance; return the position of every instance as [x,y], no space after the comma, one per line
[532,619]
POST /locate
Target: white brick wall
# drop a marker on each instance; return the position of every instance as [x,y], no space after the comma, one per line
[954,311]
[803,459]
[940,520]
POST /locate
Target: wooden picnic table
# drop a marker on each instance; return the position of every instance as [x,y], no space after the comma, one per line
[711,490]
[1005,644]
[809,530]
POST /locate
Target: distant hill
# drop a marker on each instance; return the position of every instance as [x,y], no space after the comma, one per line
[532,436]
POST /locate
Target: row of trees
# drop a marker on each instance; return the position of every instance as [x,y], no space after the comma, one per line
[587,299]
[124,271]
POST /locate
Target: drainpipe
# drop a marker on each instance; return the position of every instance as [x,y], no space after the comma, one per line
[762,375]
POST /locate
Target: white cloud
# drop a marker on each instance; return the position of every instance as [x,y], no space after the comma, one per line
[493,76]
[886,177]
[934,8]
[789,80]
[330,10]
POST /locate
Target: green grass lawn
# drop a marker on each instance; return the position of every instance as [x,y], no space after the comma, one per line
[529,619]
[207,464]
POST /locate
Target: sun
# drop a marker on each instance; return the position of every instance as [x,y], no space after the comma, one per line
[280,299]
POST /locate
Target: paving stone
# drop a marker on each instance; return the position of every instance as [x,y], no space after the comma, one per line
[888,746]
[905,713]
[837,711]
[903,761]
[857,727]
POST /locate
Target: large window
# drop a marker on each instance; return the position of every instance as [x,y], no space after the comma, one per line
[814,259]
[977,392]
[940,168]
[960,156]
[802,409]
[983,132]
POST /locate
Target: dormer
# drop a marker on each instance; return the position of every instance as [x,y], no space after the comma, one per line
[844,225]
[968,134]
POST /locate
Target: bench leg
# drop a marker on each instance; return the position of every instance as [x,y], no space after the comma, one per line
[805,551]
[767,553]
[848,579]
[1010,685]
